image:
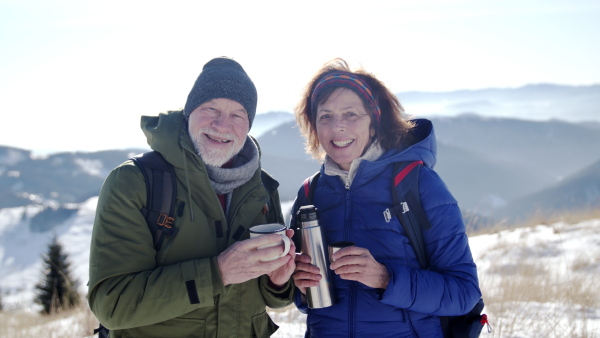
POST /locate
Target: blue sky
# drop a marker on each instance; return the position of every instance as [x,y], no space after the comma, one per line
[78,74]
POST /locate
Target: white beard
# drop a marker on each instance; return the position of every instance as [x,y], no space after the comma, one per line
[214,156]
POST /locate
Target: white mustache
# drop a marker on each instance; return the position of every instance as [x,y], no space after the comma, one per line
[214,133]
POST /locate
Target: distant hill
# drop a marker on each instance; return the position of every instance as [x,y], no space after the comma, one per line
[553,149]
[577,192]
[284,157]
[481,183]
[266,121]
[63,177]
[487,162]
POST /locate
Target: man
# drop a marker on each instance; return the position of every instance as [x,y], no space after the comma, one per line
[208,280]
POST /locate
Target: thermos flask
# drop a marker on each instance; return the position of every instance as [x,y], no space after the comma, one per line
[313,246]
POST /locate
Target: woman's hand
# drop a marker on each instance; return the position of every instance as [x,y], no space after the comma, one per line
[355,263]
[306,274]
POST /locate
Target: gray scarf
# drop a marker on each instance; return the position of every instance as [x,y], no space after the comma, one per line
[224,180]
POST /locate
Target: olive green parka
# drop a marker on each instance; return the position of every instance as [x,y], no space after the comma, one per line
[136,291]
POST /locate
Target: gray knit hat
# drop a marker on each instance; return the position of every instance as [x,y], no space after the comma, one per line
[223,77]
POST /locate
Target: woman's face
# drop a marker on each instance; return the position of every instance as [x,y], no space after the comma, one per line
[343,127]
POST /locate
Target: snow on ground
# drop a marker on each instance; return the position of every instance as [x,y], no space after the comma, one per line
[560,255]
[21,252]
[543,258]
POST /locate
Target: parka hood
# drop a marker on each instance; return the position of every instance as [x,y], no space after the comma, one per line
[423,149]
[167,134]
[424,146]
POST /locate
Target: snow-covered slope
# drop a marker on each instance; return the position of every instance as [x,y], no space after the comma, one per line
[556,267]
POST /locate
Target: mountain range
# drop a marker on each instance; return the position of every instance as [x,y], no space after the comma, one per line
[532,102]
[497,168]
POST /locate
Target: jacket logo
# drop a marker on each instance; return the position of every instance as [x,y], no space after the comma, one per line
[387,215]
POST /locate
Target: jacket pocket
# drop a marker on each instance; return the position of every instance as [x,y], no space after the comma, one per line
[176,327]
[263,326]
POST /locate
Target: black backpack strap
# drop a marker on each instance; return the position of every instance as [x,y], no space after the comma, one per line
[160,195]
[273,210]
[309,187]
[407,207]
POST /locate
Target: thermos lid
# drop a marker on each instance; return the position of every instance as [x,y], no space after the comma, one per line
[307,213]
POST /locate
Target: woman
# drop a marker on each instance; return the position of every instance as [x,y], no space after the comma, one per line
[358,128]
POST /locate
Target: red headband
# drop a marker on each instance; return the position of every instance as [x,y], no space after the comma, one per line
[350,81]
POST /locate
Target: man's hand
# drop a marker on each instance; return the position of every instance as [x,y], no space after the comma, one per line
[355,263]
[242,261]
[280,276]
[306,274]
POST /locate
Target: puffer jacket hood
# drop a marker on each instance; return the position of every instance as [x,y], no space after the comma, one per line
[423,148]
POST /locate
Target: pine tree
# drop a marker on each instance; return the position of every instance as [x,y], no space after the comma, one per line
[57,290]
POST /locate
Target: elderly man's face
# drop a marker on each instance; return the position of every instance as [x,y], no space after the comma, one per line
[218,128]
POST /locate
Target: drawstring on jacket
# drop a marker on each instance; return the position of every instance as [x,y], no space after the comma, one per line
[187,182]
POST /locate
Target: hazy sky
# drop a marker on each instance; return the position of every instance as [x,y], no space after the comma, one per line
[78,74]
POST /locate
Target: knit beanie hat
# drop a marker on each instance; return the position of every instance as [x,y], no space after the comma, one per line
[223,77]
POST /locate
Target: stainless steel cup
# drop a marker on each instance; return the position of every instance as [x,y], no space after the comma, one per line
[333,247]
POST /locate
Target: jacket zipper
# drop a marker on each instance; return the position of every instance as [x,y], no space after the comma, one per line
[347,220]
[352,311]
[347,224]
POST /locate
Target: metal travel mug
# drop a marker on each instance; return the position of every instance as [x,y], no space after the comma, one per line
[335,246]
[322,295]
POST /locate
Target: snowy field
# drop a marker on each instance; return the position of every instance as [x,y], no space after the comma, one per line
[537,281]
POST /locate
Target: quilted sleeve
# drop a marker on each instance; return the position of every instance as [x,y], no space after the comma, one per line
[450,286]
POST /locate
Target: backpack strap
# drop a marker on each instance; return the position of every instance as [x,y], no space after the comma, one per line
[309,187]
[161,192]
[271,210]
[408,209]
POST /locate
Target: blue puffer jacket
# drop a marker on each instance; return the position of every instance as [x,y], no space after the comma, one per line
[413,299]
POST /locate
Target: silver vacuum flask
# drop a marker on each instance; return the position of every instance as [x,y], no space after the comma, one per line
[313,246]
